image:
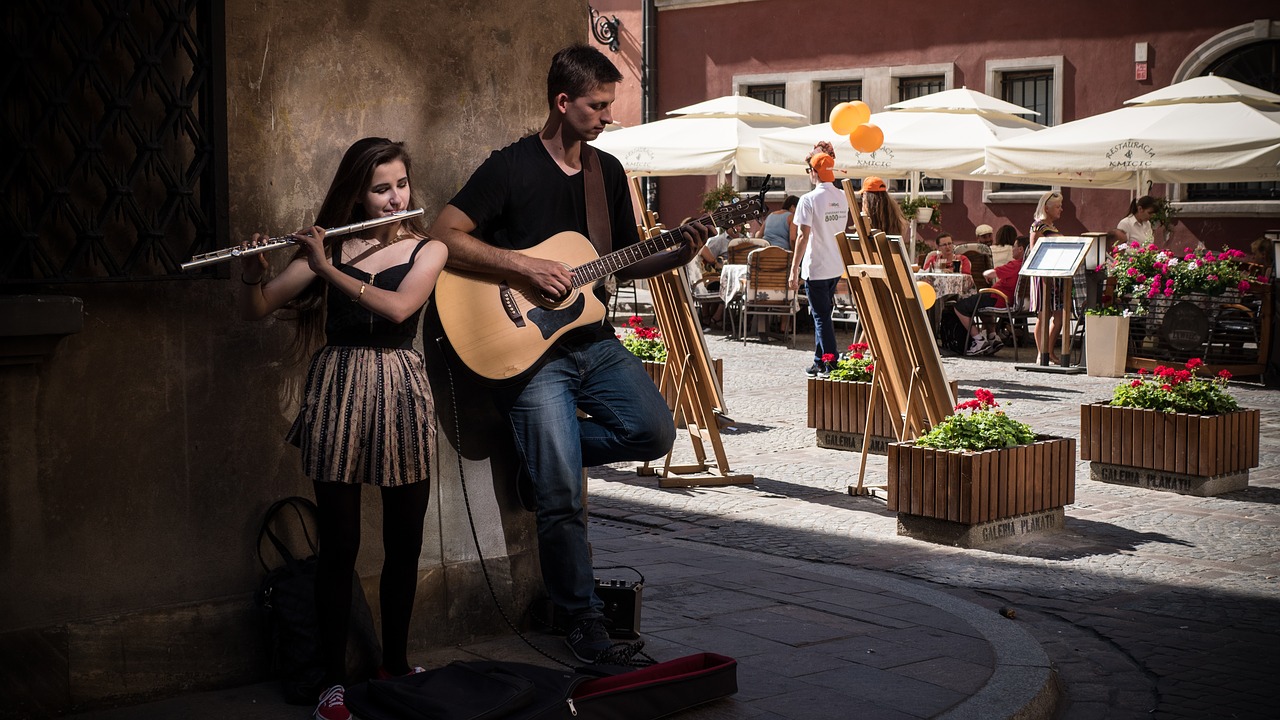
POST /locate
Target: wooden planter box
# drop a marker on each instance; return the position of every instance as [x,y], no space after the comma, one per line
[1189,454]
[655,372]
[838,411]
[975,487]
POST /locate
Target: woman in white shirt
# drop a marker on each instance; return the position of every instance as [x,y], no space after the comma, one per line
[1137,226]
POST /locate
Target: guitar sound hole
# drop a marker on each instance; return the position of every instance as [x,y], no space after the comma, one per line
[557,299]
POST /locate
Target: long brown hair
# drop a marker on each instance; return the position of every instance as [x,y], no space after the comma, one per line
[344,204]
[884,214]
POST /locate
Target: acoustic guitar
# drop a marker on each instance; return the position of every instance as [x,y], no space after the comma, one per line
[501,328]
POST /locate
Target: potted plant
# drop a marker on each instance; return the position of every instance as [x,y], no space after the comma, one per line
[1171,430]
[980,475]
[1177,299]
[924,210]
[646,343]
[1165,215]
[839,403]
[1106,339]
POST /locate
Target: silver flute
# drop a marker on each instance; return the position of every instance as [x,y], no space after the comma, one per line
[266,244]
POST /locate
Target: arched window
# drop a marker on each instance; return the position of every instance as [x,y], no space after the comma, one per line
[1251,54]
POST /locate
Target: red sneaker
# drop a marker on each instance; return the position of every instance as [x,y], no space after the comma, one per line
[332,705]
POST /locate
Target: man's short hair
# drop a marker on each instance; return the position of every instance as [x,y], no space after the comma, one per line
[577,70]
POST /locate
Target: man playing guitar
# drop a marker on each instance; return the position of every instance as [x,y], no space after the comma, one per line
[519,197]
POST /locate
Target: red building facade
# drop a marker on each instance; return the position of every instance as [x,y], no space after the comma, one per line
[1065,61]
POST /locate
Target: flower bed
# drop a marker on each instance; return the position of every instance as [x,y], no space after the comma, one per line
[838,404]
[838,412]
[980,476]
[1171,430]
[1192,305]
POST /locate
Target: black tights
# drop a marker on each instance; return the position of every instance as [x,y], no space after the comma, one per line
[403,509]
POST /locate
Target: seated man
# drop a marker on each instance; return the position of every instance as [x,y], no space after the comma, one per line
[1003,278]
[710,257]
[944,259]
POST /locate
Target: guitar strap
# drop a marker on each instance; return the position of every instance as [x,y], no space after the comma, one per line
[598,225]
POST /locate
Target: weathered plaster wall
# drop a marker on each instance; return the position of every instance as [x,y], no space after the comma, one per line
[136,461]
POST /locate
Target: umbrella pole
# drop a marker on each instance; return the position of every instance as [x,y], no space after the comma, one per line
[914,189]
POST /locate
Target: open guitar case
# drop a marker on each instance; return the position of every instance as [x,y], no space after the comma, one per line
[488,690]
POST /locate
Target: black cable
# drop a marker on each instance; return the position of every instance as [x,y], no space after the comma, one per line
[618,653]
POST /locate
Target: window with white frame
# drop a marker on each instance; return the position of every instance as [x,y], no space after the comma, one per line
[1035,84]
[910,88]
[774,94]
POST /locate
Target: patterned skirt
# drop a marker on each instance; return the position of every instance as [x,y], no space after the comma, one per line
[367,417]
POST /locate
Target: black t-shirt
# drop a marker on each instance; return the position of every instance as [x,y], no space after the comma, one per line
[519,197]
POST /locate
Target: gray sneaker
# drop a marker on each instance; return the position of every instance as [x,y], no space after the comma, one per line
[588,640]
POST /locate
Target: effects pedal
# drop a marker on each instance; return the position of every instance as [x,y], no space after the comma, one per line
[621,606]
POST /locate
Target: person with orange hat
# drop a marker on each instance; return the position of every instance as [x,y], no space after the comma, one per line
[821,213]
[882,211]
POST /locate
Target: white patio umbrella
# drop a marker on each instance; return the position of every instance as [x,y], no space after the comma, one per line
[1207,129]
[939,143]
[942,135]
[709,138]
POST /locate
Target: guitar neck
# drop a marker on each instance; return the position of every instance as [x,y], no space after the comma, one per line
[604,266]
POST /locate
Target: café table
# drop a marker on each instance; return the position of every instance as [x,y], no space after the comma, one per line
[958,284]
[955,285]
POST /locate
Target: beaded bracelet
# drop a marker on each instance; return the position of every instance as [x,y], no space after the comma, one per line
[359,295]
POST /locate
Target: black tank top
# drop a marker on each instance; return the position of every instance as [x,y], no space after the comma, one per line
[351,324]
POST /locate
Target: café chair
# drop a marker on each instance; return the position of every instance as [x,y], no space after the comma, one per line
[768,293]
[1015,309]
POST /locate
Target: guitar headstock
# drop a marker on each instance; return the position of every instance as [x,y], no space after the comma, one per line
[739,212]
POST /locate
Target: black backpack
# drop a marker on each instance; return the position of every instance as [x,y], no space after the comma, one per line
[287,599]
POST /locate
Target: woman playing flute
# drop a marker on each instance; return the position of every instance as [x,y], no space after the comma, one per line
[367,416]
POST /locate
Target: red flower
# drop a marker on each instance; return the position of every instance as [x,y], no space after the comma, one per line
[857,356]
[1194,363]
[828,358]
[635,321]
[985,397]
[1166,387]
[1136,383]
[1224,374]
[970,405]
[872,368]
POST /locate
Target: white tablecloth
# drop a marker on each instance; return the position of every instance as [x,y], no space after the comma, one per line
[733,281]
[957,284]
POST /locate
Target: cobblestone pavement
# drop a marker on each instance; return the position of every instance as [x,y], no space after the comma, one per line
[1149,604]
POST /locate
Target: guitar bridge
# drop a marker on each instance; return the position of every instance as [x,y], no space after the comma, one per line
[509,304]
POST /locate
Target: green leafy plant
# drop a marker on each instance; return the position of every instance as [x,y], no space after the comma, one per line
[1147,272]
[1165,214]
[1104,311]
[718,196]
[643,342]
[983,427]
[856,365]
[1175,390]
[910,206]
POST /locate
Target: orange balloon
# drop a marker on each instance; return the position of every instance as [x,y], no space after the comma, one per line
[928,295]
[848,115]
[866,138]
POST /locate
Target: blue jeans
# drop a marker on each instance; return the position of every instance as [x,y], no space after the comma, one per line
[628,421]
[822,300]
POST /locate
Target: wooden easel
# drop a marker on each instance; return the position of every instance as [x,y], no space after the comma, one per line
[909,374]
[699,397]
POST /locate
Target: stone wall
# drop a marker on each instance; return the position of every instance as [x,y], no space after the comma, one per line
[137,459]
